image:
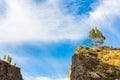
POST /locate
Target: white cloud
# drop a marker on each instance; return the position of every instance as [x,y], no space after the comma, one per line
[44,22]
[26,21]
[106,12]
[28,77]
[47,78]
[43,78]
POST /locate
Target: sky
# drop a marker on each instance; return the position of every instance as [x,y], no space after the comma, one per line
[41,35]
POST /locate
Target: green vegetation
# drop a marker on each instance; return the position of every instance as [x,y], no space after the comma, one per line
[96,37]
[9,59]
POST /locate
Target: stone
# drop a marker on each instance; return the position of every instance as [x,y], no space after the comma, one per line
[95,64]
[9,72]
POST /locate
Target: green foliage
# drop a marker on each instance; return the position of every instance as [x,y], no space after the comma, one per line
[92,33]
[9,59]
[96,37]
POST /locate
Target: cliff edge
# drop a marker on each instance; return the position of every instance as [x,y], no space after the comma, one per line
[9,72]
[95,64]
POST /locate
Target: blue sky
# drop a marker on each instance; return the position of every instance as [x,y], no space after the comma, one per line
[41,35]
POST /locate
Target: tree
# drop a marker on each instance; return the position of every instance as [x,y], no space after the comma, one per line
[96,37]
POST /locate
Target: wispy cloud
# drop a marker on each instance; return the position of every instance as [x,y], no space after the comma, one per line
[26,21]
[105,13]
[47,78]
[43,78]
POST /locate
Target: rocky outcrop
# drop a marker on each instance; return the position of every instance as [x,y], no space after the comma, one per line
[95,64]
[9,72]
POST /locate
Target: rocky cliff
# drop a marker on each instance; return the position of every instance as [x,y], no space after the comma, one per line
[95,64]
[9,72]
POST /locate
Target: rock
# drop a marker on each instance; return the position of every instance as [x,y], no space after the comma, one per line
[95,75]
[95,64]
[9,72]
[117,79]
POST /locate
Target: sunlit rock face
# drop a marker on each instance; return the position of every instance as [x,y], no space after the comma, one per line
[95,64]
[9,72]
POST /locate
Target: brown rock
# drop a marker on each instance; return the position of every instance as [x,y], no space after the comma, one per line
[9,72]
[95,64]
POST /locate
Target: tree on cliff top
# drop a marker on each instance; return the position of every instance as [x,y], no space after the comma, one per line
[96,37]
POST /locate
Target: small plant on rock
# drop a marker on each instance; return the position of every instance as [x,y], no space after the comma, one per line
[9,59]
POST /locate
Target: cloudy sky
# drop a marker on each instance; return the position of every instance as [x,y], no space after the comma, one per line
[41,35]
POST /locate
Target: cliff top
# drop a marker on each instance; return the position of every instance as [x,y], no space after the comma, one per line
[9,72]
[105,54]
[95,63]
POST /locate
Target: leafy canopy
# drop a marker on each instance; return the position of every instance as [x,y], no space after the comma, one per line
[96,37]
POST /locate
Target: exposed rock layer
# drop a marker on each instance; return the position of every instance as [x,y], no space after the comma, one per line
[9,72]
[95,64]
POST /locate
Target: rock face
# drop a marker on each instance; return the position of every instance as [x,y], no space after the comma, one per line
[95,64]
[9,72]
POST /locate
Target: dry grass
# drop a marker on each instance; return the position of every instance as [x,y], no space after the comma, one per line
[111,57]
